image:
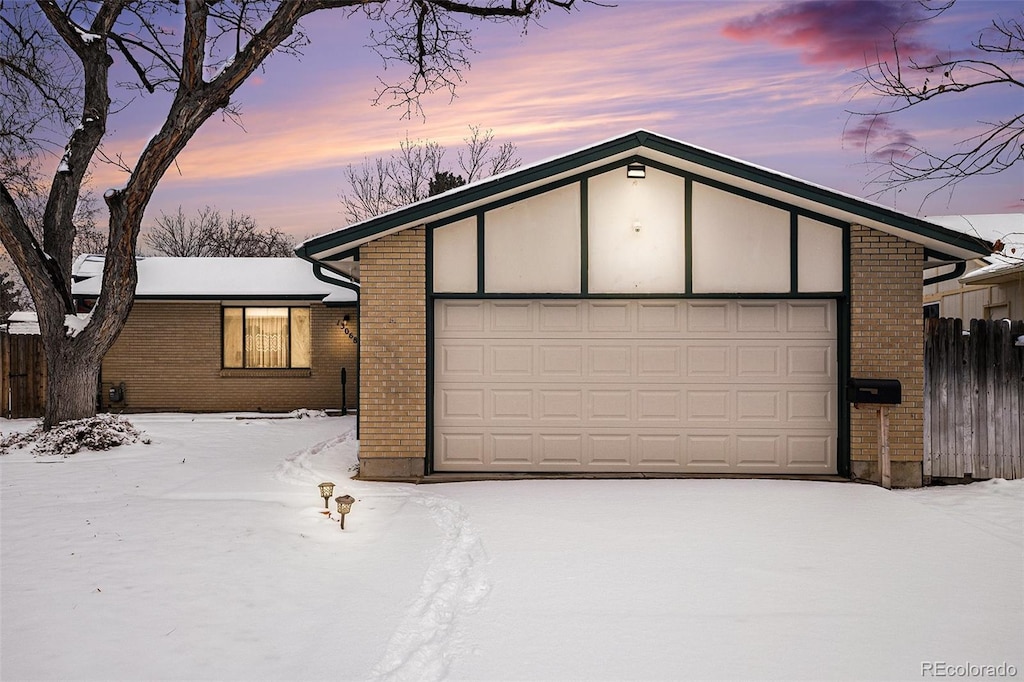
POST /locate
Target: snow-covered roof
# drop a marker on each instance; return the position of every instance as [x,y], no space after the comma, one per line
[224,278]
[1005,227]
[23,322]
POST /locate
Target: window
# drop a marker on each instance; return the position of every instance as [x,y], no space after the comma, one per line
[262,338]
[931,310]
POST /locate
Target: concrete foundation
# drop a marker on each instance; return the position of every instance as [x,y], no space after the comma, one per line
[903,474]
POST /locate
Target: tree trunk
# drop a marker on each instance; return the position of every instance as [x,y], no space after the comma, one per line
[71,384]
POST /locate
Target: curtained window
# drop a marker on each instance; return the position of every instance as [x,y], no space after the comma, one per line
[266,338]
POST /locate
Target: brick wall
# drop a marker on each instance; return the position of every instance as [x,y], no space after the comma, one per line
[392,418]
[169,358]
[886,342]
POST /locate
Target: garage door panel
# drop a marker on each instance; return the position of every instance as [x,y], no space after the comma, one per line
[511,360]
[561,317]
[511,450]
[560,405]
[609,405]
[610,317]
[511,316]
[758,407]
[462,360]
[560,361]
[462,449]
[659,317]
[759,362]
[708,361]
[609,450]
[760,450]
[759,317]
[462,404]
[811,317]
[704,318]
[659,361]
[512,404]
[560,449]
[811,452]
[460,316]
[624,385]
[659,450]
[810,362]
[659,406]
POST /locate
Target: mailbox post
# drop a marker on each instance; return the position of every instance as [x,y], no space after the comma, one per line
[880,392]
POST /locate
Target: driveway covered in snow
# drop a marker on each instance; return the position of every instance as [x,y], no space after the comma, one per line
[205,555]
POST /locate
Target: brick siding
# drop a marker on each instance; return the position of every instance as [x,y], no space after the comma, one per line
[886,342]
[392,417]
[169,358]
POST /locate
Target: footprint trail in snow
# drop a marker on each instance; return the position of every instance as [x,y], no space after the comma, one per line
[428,638]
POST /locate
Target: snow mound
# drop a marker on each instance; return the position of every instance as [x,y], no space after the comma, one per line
[102,432]
[303,413]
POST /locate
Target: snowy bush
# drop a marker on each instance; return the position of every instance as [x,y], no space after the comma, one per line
[102,432]
[306,413]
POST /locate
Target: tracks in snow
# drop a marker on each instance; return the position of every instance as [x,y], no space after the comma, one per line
[429,636]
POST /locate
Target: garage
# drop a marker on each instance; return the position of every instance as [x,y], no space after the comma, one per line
[712,386]
[638,306]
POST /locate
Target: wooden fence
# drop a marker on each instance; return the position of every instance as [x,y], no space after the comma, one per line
[973,397]
[22,376]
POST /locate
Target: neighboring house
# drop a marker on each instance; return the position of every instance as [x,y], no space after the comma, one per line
[641,306]
[228,334]
[988,288]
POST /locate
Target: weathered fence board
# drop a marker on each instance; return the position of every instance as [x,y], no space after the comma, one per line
[974,394]
[24,369]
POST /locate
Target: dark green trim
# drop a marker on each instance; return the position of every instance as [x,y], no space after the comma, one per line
[794,255]
[781,295]
[958,269]
[351,253]
[224,297]
[844,322]
[318,272]
[688,235]
[422,212]
[481,236]
[584,236]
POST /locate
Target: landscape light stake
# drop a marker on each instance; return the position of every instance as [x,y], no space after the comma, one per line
[344,507]
[326,490]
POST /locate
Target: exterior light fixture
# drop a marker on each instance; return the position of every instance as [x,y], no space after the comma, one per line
[326,490]
[636,171]
[344,507]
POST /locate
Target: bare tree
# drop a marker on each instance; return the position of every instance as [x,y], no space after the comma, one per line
[55,76]
[994,61]
[209,234]
[418,170]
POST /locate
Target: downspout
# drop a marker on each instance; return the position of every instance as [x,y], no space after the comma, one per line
[318,272]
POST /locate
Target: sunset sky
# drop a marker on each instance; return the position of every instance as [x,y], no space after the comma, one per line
[767,82]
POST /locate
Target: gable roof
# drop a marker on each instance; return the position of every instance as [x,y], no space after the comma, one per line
[218,278]
[942,244]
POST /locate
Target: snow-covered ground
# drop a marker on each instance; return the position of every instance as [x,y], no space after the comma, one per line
[205,555]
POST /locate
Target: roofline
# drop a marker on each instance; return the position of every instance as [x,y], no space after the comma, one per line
[478,192]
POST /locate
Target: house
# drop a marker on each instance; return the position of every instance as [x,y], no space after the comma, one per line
[986,288]
[229,334]
[638,307]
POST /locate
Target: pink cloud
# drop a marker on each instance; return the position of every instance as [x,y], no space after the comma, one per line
[835,31]
[882,141]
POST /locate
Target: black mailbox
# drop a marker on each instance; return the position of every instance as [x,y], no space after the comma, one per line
[875,391]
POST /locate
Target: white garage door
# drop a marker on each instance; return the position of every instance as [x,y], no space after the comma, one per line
[711,386]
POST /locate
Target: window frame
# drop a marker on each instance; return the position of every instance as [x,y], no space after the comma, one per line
[244,366]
